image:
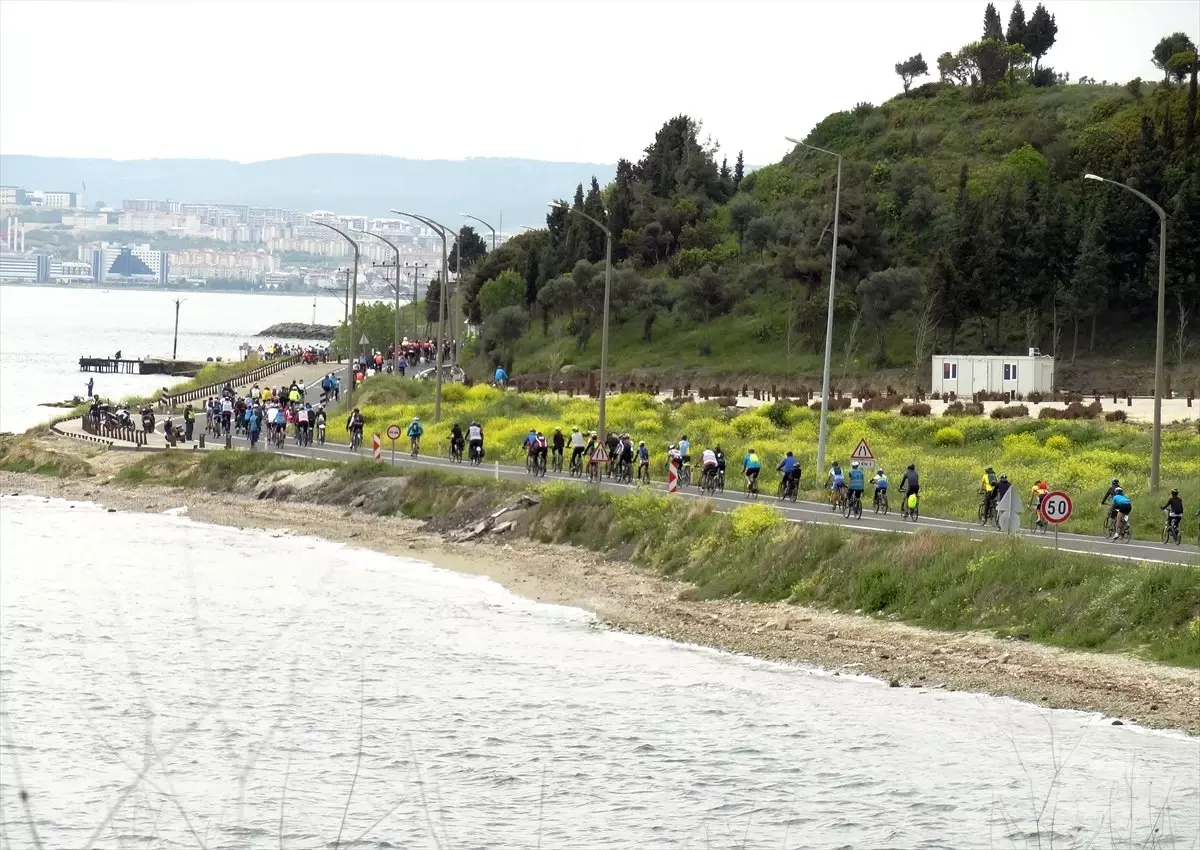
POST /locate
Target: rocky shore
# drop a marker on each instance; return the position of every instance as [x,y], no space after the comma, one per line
[625,596]
[298,330]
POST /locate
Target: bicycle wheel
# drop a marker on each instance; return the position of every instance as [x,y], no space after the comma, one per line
[858,508]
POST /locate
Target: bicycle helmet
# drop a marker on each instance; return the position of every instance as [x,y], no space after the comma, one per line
[854,464]
[416,419]
[912,466]
[880,471]
[1118,490]
[641,442]
[1003,476]
[1174,491]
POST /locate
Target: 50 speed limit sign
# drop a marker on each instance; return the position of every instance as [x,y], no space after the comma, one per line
[1056,507]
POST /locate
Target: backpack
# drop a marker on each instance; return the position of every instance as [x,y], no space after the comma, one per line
[991,479]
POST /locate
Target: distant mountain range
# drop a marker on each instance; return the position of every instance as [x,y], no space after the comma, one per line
[349,184]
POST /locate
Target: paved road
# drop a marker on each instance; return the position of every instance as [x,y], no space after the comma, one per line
[802,511]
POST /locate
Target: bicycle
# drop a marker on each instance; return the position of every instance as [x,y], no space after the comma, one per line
[455,452]
[576,466]
[624,472]
[987,511]
[1110,523]
[321,434]
[1125,531]
[355,439]
[909,513]
[539,464]
[1170,532]
[476,455]
[881,502]
[685,475]
[837,498]
[708,482]
[643,475]
[280,436]
[556,462]
[787,488]
[415,446]
[720,481]
[853,505]
[751,487]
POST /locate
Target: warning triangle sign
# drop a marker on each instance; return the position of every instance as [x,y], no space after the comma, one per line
[862,452]
[600,455]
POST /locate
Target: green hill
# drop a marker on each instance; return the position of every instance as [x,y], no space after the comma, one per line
[964,224]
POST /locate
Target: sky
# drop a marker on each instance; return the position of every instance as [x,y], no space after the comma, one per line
[563,80]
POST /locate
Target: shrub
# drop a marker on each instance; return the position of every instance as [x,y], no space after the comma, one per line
[749,520]
[842,403]
[963,408]
[1115,416]
[1058,443]
[882,402]
[1011,411]
[948,437]
[915,410]
[779,413]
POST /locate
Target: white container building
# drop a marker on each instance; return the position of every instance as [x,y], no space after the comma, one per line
[966,374]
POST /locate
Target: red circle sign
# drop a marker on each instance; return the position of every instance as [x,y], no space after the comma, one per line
[1056,507]
[393,432]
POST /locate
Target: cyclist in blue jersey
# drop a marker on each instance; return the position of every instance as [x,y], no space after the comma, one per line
[1123,507]
[790,467]
[857,481]
[881,484]
[685,449]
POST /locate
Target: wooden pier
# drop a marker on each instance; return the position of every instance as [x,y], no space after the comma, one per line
[113,365]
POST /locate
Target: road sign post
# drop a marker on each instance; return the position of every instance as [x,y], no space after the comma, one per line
[1056,509]
[377,445]
[862,453]
[393,433]
[599,458]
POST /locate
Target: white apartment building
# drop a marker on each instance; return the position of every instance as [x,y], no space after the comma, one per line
[58,200]
[12,196]
[140,263]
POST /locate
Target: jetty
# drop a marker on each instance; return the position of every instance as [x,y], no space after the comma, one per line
[126,366]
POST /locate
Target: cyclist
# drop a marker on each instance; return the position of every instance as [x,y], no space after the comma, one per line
[837,482]
[456,441]
[1036,494]
[987,488]
[355,423]
[751,466]
[881,485]
[857,482]
[590,450]
[415,431]
[1113,489]
[253,424]
[790,467]
[674,459]
[1174,509]
[319,419]
[558,442]
[708,462]
[1123,507]
[643,456]
[475,440]
[577,444]
[542,451]
[278,421]
[529,444]
[1002,486]
[303,415]
[685,449]
[720,453]
[625,452]
[910,486]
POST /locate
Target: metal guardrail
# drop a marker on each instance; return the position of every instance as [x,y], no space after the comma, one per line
[102,429]
[269,368]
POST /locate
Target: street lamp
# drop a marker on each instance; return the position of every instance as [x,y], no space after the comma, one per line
[562,205]
[395,289]
[823,434]
[1159,389]
[175,344]
[485,224]
[353,307]
[443,232]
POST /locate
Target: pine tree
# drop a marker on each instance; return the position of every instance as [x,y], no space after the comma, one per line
[620,211]
[1040,35]
[739,171]
[593,205]
[1017,28]
[993,30]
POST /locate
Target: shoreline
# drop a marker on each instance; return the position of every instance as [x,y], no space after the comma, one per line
[627,597]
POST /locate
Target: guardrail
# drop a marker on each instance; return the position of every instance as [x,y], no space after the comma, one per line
[102,429]
[269,368]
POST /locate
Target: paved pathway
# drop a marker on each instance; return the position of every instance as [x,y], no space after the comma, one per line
[802,511]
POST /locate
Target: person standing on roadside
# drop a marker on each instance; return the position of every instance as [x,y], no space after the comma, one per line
[91,385]
[189,422]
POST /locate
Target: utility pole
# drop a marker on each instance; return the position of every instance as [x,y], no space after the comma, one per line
[175,344]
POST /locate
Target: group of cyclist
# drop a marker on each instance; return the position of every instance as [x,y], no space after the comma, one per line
[269,409]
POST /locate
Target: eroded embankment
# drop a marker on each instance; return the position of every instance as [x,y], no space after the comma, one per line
[987,618]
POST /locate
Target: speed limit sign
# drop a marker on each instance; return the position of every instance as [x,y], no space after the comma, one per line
[1056,507]
[393,432]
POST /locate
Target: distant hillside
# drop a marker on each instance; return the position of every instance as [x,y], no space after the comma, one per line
[345,183]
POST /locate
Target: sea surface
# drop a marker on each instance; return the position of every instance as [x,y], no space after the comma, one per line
[168,684]
[44,331]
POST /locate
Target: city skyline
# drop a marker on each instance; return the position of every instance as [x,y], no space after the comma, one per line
[751,71]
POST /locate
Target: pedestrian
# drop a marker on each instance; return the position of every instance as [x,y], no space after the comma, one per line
[91,385]
[189,422]
[337,388]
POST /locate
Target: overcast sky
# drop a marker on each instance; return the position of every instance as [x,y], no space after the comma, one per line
[566,80]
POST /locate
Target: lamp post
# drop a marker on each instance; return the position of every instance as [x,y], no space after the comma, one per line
[823,433]
[175,343]
[1159,378]
[395,290]
[443,232]
[604,325]
[352,307]
[485,224]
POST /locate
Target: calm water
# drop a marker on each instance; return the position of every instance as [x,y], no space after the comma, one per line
[229,664]
[44,332]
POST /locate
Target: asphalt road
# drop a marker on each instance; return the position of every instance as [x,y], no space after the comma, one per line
[800,511]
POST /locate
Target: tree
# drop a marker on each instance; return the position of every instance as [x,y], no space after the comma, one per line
[739,171]
[884,294]
[506,290]
[951,70]
[993,30]
[743,209]
[704,295]
[910,69]
[433,301]
[473,248]
[593,205]
[501,333]
[1017,28]
[1040,34]
[1167,47]
[1181,64]
[760,233]
[532,279]
[620,207]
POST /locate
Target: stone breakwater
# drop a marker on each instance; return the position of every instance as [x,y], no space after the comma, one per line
[298,330]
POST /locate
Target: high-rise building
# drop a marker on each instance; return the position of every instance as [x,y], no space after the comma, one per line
[134,263]
[30,268]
